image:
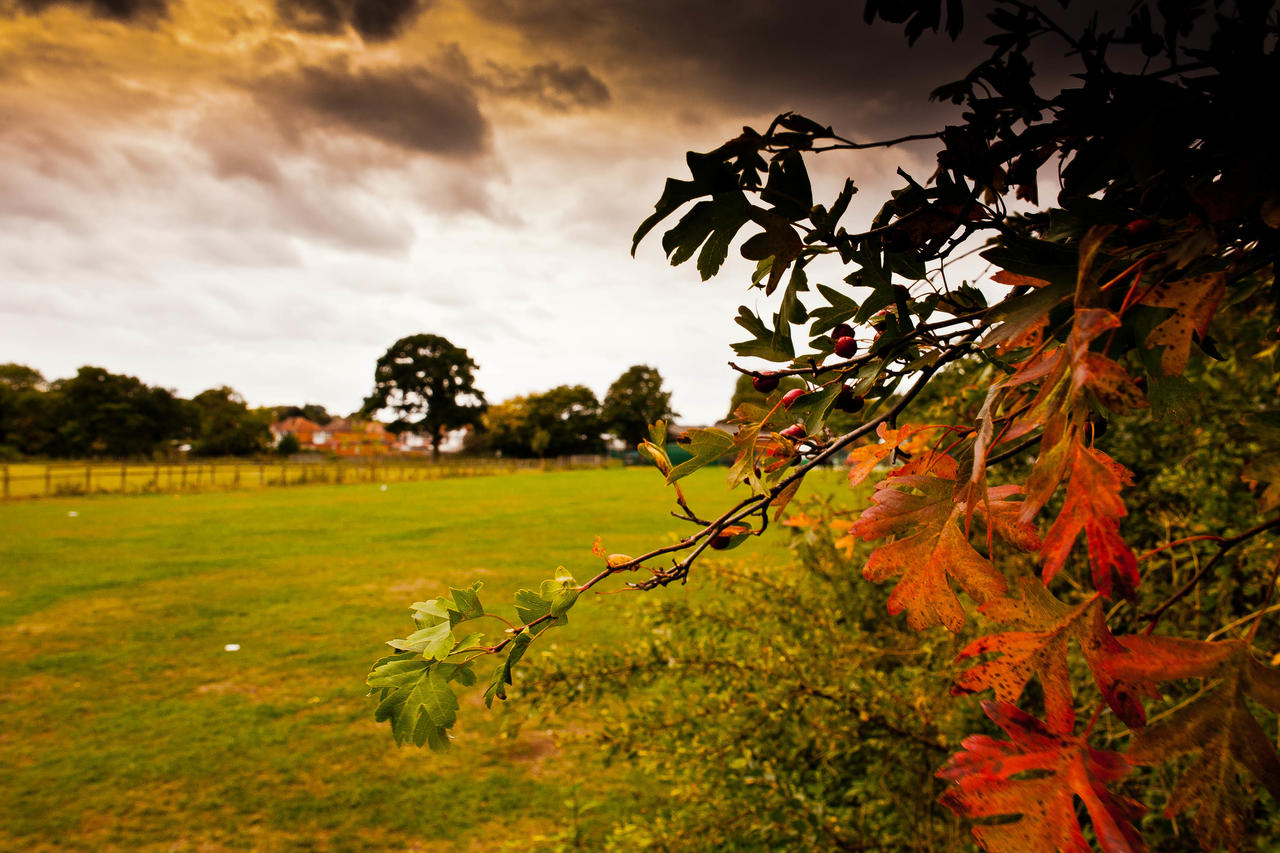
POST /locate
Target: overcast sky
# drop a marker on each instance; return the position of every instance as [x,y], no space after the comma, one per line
[267,193]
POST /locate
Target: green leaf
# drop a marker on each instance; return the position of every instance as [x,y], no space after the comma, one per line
[468,602]
[429,613]
[434,643]
[813,408]
[397,670]
[502,675]
[762,346]
[563,600]
[1016,314]
[435,696]
[706,446]
[674,194]
[470,641]
[689,233]
[729,215]
[429,734]
[788,188]
[530,605]
[1036,258]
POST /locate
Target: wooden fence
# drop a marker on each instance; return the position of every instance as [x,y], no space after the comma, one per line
[53,479]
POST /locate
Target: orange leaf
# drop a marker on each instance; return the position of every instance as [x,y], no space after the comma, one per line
[1014,279]
[1194,301]
[864,458]
[1093,506]
[990,779]
[931,549]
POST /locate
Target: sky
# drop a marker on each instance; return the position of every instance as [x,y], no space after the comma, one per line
[266,194]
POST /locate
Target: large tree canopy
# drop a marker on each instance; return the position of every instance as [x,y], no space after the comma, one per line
[634,401]
[429,384]
[1009,526]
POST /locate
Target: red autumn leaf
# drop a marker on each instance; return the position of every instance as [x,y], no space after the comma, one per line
[931,547]
[1217,727]
[1047,627]
[1093,506]
[1194,301]
[990,779]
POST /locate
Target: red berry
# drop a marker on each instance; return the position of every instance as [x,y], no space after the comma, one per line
[846,347]
[789,398]
[764,382]
[720,541]
[795,431]
[848,401]
[843,330]
[1141,230]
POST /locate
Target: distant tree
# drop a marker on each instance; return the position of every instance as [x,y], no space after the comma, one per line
[288,445]
[99,413]
[429,384]
[564,421]
[559,422]
[19,377]
[226,425]
[633,402]
[505,427]
[27,425]
[313,412]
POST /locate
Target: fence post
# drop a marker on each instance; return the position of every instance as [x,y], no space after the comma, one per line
[48,480]
[284,475]
[183,482]
[88,478]
[235,482]
[262,474]
[213,477]
[6,482]
[124,477]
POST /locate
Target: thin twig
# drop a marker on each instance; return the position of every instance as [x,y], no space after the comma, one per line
[1227,545]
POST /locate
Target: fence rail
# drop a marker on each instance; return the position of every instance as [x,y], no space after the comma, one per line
[54,479]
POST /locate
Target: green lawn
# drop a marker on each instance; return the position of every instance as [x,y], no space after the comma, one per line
[125,725]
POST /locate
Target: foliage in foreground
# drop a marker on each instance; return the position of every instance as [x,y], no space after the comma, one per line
[1079,614]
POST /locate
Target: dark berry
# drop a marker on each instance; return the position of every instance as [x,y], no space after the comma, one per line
[764,383]
[850,402]
[843,330]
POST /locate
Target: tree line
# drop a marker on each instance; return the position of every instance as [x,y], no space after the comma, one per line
[97,413]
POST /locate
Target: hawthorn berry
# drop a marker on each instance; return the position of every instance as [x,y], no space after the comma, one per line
[846,347]
[764,382]
[1141,230]
[720,541]
[789,398]
[842,330]
[795,431]
[849,402]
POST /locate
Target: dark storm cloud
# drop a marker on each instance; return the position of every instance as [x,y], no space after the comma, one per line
[407,107]
[374,20]
[545,84]
[754,55]
[548,84]
[119,10]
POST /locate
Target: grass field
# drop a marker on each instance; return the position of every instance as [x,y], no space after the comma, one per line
[125,725]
